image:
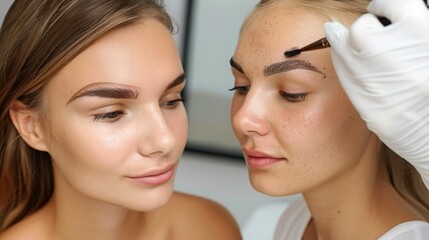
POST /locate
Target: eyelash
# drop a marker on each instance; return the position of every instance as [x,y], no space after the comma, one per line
[173,103]
[116,115]
[291,97]
[294,97]
[241,90]
[108,117]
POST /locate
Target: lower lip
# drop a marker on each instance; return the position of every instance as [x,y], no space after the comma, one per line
[261,162]
[155,179]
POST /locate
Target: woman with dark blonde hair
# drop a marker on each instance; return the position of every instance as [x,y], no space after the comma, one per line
[92,125]
[300,133]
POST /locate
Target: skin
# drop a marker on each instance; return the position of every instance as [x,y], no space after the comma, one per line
[99,140]
[299,123]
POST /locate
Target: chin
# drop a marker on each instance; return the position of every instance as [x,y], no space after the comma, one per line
[150,200]
[268,186]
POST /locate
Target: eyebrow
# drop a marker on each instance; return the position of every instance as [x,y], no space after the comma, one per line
[289,65]
[236,66]
[177,81]
[280,67]
[120,92]
[107,92]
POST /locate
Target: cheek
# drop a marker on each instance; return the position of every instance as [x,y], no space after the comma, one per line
[322,137]
[178,123]
[78,142]
[236,105]
[327,120]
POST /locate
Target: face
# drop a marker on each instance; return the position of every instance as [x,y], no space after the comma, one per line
[116,124]
[297,129]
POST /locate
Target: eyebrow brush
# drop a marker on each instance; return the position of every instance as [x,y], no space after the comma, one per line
[319,44]
[323,42]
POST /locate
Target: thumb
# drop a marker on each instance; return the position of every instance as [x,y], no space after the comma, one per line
[343,57]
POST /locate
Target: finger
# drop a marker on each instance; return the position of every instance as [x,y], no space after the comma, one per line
[338,37]
[342,56]
[362,30]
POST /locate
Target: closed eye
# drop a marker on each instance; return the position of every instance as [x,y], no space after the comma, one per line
[294,97]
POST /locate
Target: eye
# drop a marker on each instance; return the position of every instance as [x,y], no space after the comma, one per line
[172,104]
[241,90]
[294,97]
[108,117]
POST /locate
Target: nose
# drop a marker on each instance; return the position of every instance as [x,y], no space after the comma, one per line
[250,115]
[157,138]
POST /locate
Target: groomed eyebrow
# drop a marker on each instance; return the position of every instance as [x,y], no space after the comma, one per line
[289,65]
[280,67]
[107,92]
[119,92]
[236,66]
[177,81]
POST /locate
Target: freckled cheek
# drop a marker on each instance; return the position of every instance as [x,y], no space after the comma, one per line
[300,126]
[309,142]
[309,131]
[327,129]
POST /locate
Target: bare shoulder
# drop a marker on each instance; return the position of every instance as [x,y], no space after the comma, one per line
[29,228]
[201,218]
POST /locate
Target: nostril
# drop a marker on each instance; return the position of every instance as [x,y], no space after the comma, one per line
[250,122]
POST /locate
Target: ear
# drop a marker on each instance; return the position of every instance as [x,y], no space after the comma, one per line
[27,123]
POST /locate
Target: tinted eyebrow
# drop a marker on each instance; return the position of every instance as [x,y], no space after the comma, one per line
[177,81]
[289,65]
[119,92]
[107,92]
[236,66]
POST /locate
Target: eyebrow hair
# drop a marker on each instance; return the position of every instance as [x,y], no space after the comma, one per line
[120,92]
[107,92]
[236,66]
[177,81]
[289,65]
[280,67]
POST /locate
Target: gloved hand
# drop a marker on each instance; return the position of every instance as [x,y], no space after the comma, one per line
[385,73]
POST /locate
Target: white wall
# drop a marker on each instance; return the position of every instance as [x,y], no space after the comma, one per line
[177,11]
[4,6]
[214,35]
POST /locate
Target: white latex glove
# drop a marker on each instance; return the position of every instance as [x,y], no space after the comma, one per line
[385,73]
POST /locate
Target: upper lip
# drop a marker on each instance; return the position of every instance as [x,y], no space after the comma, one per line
[153,172]
[257,153]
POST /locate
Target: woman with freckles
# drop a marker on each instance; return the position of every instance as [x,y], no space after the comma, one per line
[300,134]
[93,125]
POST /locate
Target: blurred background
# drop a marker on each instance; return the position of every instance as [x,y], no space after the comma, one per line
[212,165]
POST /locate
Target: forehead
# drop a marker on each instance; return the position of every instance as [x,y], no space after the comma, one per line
[275,29]
[143,56]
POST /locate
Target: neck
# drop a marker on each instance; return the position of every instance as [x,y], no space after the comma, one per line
[77,216]
[77,219]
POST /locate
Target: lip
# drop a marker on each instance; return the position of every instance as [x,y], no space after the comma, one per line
[154,177]
[256,159]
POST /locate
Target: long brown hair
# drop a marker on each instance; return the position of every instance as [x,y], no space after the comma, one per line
[37,39]
[403,176]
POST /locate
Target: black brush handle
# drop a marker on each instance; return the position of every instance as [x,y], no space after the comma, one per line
[387,22]
[384,21]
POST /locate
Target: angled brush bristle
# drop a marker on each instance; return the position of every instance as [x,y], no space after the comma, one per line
[292,53]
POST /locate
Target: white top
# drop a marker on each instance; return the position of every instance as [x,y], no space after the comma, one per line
[295,218]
